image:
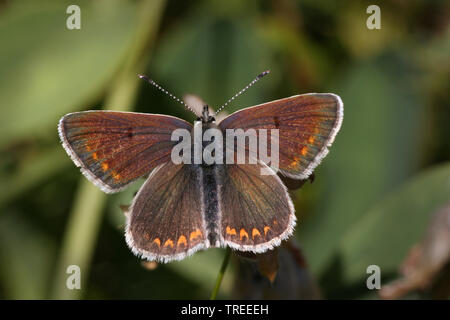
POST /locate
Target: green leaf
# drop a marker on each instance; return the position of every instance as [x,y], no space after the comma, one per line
[27,256]
[32,171]
[384,235]
[48,70]
[374,152]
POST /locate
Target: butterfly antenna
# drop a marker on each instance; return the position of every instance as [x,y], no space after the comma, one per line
[262,74]
[165,91]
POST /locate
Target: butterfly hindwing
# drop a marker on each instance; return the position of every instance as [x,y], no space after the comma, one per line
[165,221]
[256,210]
[115,148]
[307,126]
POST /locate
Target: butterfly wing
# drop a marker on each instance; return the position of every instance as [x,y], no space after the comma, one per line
[115,148]
[307,126]
[256,210]
[165,221]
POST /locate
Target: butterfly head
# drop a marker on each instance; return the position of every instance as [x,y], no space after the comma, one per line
[206,116]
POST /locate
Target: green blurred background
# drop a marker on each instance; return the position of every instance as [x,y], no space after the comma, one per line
[373,196]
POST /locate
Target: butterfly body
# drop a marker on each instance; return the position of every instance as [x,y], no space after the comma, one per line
[186,206]
[209,180]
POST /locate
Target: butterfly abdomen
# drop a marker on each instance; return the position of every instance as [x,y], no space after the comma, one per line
[211,204]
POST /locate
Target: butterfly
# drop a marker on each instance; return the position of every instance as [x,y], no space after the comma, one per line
[185,207]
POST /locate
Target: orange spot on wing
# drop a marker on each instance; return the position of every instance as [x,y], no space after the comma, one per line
[231,232]
[115,175]
[182,240]
[255,232]
[95,156]
[157,241]
[304,150]
[243,233]
[195,234]
[105,166]
[311,139]
[88,148]
[294,163]
[266,229]
[168,242]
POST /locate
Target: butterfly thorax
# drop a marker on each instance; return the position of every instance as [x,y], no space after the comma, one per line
[198,138]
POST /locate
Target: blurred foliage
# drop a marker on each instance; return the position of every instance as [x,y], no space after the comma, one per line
[387,172]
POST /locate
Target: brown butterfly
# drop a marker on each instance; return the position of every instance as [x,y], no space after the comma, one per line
[185,207]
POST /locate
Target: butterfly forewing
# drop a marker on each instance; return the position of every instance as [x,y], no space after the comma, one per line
[307,126]
[166,218]
[115,148]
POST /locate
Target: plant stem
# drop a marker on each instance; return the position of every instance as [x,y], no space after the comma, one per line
[223,268]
